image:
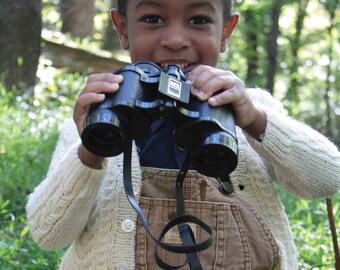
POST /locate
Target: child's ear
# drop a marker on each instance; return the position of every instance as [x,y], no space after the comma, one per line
[228,31]
[119,22]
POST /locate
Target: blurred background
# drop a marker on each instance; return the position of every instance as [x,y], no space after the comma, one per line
[48,48]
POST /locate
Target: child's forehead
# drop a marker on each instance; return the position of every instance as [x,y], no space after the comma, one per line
[172,3]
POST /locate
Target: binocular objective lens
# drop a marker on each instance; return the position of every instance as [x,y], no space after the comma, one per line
[215,156]
[212,159]
[105,140]
[105,135]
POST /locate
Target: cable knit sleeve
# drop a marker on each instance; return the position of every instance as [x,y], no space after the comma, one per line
[58,209]
[306,163]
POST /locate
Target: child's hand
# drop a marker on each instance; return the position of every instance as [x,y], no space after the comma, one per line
[93,92]
[207,80]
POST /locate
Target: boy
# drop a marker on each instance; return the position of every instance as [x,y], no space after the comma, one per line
[82,200]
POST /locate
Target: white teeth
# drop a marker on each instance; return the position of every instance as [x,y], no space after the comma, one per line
[181,65]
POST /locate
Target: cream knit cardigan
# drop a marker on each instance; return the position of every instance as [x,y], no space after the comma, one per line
[88,209]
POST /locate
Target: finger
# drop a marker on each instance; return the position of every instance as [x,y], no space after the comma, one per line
[235,95]
[87,99]
[207,80]
[203,72]
[96,86]
[100,87]
[214,84]
[82,107]
[203,82]
[84,102]
[192,78]
[195,76]
[107,77]
[225,97]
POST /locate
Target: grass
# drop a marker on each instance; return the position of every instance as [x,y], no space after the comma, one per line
[29,130]
[310,226]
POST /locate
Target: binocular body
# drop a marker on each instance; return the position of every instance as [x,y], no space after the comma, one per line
[147,93]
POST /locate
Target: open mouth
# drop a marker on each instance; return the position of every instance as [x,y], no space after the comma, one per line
[185,67]
[182,66]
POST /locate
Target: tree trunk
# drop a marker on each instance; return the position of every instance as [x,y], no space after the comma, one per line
[252,41]
[20,29]
[79,60]
[292,93]
[272,44]
[77,17]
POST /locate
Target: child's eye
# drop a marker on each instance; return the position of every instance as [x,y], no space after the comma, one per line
[152,19]
[200,20]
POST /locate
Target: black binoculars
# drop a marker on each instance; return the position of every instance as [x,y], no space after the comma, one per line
[147,93]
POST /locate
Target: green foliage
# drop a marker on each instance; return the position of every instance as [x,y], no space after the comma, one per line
[310,226]
[303,81]
[17,249]
[28,131]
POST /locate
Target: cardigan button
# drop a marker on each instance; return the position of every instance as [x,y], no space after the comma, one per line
[135,189]
[128,225]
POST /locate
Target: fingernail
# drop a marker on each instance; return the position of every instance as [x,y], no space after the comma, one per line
[201,94]
[212,100]
[194,91]
[114,85]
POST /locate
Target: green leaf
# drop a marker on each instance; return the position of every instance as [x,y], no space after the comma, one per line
[24,231]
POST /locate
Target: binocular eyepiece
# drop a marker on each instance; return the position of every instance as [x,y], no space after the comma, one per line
[147,93]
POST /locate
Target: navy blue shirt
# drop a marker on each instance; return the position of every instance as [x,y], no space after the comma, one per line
[159,150]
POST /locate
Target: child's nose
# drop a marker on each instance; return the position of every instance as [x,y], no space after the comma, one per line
[175,38]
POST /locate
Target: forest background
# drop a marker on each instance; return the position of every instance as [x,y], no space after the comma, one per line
[48,47]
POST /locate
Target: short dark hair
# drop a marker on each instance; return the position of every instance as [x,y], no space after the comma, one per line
[227,8]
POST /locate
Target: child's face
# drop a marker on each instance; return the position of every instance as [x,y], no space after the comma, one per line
[182,32]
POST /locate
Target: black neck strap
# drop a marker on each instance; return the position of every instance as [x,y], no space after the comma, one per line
[189,247]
